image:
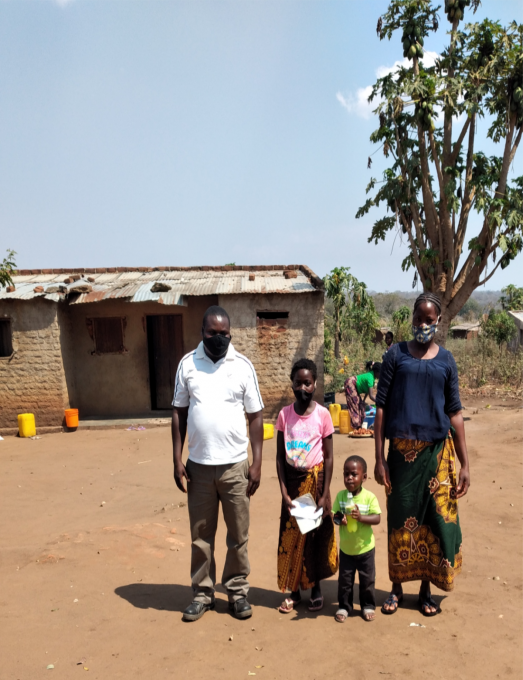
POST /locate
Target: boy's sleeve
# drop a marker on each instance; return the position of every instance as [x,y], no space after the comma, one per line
[280,423]
[336,504]
[374,506]
[327,426]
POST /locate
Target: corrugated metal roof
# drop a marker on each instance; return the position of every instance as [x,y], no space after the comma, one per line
[135,286]
[517,315]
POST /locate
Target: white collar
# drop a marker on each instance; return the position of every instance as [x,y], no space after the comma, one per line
[230,356]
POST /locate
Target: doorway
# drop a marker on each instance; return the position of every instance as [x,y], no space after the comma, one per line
[165,346]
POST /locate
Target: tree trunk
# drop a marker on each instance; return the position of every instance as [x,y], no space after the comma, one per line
[443,328]
[337,340]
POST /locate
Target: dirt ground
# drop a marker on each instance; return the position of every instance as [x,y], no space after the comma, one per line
[95,553]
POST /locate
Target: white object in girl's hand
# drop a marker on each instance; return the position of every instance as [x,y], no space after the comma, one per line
[308,515]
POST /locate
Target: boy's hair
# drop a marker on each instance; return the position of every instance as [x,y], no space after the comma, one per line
[307,364]
[390,333]
[357,459]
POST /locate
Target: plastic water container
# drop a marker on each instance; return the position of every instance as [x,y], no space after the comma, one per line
[344,420]
[26,425]
[335,410]
[268,431]
[71,417]
[370,420]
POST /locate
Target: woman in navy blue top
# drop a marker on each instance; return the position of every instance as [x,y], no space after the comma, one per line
[419,412]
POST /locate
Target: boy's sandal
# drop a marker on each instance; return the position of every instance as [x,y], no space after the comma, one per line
[316,604]
[287,605]
[392,601]
[341,615]
[368,614]
[426,601]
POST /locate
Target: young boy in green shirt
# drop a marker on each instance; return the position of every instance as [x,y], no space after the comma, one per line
[356,511]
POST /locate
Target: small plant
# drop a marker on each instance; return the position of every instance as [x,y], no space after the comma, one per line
[7,269]
[500,327]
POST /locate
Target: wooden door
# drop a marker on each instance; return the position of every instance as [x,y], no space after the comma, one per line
[165,341]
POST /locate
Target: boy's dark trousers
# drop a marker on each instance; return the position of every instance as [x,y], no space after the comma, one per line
[366,568]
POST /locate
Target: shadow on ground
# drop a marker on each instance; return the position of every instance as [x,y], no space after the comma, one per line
[175,598]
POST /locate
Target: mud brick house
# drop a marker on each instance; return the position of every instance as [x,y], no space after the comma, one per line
[108,341]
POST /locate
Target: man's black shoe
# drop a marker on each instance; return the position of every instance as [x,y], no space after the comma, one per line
[241,609]
[196,610]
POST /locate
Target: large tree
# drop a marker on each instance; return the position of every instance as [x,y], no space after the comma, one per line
[428,129]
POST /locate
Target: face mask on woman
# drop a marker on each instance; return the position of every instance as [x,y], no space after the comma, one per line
[424,333]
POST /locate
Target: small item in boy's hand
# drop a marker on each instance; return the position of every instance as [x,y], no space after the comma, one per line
[338,517]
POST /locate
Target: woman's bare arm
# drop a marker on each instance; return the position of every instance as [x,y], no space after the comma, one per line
[456,420]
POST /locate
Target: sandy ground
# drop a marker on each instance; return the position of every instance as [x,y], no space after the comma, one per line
[95,571]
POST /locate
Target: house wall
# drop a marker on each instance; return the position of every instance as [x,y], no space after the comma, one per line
[32,380]
[274,348]
[53,366]
[117,385]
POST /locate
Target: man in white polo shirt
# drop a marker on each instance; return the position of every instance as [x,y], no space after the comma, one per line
[215,386]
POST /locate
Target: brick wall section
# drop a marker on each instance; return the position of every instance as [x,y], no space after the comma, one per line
[272,347]
[32,380]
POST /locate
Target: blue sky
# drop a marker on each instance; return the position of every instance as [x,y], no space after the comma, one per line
[149,132]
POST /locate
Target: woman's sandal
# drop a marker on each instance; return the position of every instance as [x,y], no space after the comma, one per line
[341,615]
[427,601]
[288,605]
[391,601]
[368,615]
[316,607]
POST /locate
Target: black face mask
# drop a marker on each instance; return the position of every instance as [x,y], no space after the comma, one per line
[303,397]
[217,345]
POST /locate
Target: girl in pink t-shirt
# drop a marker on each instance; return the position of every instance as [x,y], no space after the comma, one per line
[304,462]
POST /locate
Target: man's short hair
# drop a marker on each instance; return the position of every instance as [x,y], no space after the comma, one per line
[357,459]
[214,310]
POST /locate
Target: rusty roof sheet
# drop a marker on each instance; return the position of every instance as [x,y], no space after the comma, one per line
[135,286]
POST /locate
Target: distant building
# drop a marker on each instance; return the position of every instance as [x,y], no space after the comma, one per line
[108,341]
[465,331]
[518,320]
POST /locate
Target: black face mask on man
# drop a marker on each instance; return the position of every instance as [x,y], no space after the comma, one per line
[303,396]
[217,345]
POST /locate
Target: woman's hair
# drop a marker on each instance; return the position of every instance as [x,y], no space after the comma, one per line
[307,364]
[373,366]
[428,297]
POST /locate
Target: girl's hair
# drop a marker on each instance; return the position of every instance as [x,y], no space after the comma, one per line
[307,364]
[373,366]
[428,297]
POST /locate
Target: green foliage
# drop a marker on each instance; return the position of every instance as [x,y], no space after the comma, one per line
[7,269]
[512,298]
[401,315]
[471,310]
[435,178]
[499,327]
[401,324]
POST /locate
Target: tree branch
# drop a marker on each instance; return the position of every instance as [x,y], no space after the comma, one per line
[459,142]
[468,197]
[491,273]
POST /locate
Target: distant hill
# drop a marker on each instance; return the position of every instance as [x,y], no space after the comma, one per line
[387,303]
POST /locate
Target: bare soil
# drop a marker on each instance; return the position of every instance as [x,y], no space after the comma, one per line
[95,551]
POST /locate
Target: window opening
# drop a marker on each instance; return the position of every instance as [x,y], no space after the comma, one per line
[6,338]
[108,335]
[272,315]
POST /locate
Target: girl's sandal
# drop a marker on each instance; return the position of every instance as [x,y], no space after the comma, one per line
[316,604]
[287,605]
[368,615]
[424,602]
[341,615]
[392,601]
